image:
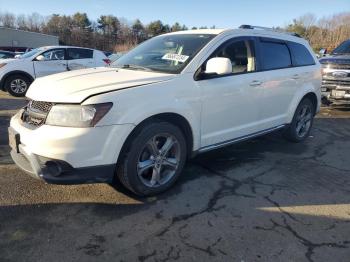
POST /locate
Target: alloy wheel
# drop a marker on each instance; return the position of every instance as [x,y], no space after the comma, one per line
[158,160]
[304,120]
[18,86]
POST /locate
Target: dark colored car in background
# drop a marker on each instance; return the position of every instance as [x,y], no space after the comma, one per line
[336,75]
[6,54]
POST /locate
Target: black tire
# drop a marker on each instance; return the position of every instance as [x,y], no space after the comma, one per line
[293,132]
[20,89]
[134,149]
[325,102]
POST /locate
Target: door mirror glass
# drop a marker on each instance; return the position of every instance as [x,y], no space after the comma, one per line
[219,66]
[40,58]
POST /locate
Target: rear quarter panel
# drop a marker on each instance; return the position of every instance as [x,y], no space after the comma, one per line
[311,83]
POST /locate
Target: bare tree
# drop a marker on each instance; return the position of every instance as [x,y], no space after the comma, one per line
[110,32]
[7,20]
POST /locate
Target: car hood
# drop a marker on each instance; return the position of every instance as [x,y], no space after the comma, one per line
[336,59]
[76,86]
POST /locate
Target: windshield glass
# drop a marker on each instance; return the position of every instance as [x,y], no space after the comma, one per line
[344,48]
[31,53]
[168,53]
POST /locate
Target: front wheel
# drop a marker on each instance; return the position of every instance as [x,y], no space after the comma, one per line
[17,85]
[153,159]
[302,121]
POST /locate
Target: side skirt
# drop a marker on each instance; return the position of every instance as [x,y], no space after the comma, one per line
[239,139]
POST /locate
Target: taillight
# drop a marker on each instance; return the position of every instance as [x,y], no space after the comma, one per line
[107,61]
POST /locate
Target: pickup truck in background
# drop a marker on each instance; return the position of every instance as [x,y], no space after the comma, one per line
[336,75]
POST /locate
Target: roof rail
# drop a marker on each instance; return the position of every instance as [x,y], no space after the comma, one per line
[269,29]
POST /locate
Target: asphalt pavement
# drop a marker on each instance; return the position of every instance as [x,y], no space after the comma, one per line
[262,200]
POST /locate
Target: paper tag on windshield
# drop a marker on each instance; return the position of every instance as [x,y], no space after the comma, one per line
[175,57]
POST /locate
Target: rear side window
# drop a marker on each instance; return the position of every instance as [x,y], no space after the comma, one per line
[274,55]
[79,53]
[301,56]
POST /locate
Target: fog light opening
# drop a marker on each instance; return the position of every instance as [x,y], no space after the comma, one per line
[54,168]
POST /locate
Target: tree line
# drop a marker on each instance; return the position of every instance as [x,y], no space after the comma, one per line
[108,32]
[327,32]
[111,33]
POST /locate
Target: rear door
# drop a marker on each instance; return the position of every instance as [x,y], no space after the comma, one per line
[279,81]
[80,58]
[54,62]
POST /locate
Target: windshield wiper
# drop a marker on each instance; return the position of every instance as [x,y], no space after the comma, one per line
[137,67]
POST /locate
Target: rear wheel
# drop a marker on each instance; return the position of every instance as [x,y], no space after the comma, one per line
[153,160]
[302,121]
[17,85]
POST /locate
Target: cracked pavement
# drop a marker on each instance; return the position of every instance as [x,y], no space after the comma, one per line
[262,200]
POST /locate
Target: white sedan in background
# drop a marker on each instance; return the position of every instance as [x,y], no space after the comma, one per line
[16,75]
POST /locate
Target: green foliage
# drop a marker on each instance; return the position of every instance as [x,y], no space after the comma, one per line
[156,28]
[81,20]
[297,27]
[176,27]
[108,24]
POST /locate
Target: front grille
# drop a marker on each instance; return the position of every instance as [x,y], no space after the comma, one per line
[335,83]
[331,75]
[339,66]
[35,113]
[40,106]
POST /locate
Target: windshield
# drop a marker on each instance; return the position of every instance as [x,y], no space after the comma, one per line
[343,48]
[168,53]
[31,53]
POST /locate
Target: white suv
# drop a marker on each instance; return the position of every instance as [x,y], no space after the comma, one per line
[168,99]
[16,75]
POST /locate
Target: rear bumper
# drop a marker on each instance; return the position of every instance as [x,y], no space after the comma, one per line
[59,172]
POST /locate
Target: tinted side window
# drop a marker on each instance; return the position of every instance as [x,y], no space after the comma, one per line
[274,55]
[301,56]
[77,53]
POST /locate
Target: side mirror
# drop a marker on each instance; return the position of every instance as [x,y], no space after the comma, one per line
[40,58]
[323,52]
[219,66]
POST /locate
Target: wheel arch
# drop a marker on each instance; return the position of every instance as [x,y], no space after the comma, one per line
[311,94]
[170,117]
[15,72]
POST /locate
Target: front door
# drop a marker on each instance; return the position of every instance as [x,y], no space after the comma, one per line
[230,103]
[54,62]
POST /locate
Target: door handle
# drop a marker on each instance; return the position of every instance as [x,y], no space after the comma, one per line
[296,76]
[255,83]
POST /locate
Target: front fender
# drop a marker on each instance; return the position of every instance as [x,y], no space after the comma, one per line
[14,72]
[134,105]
